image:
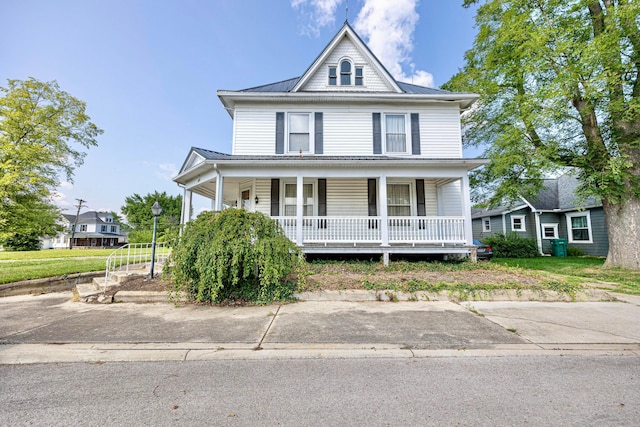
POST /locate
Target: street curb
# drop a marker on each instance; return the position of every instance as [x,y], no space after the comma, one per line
[21,354]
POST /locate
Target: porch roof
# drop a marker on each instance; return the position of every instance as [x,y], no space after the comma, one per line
[214,159]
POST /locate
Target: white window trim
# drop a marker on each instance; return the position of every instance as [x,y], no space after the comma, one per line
[412,203]
[353,73]
[313,182]
[484,228]
[570,229]
[555,231]
[312,132]
[407,130]
[523,219]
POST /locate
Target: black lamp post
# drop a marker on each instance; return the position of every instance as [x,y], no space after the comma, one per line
[156,209]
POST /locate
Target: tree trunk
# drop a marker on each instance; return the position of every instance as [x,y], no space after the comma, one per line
[623,226]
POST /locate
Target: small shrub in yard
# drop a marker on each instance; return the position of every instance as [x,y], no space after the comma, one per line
[235,254]
[512,246]
[575,251]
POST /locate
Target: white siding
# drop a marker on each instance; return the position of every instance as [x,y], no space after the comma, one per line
[431,197]
[347,197]
[263,191]
[440,132]
[346,133]
[255,132]
[450,199]
[373,82]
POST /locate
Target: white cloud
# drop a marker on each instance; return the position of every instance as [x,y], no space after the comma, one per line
[61,196]
[167,171]
[389,27]
[318,13]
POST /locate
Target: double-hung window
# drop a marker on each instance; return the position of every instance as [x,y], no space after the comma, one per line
[359,76]
[579,225]
[518,223]
[486,225]
[113,228]
[333,76]
[395,133]
[83,227]
[291,197]
[399,199]
[299,132]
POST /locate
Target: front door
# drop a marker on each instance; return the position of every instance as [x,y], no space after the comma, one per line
[246,200]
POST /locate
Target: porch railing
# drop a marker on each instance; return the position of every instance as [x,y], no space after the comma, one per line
[434,230]
[134,256]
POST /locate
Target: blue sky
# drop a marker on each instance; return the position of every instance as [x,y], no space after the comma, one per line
[149,69]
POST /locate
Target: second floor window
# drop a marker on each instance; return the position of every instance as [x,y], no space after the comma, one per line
[103,228]
[299,132]
[359,77]
[83,227]
[113,229]
[333,76]
[395,133]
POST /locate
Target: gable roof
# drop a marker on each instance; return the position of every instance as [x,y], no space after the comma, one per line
[89,217]
[349,33]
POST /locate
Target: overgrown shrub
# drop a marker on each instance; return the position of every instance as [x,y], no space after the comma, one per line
[575,251]
[235,254]
[21,242]
[512,246]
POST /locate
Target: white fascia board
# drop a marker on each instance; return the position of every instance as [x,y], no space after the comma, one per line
[319,163]
[230,98]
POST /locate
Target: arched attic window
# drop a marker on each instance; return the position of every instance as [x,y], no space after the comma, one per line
[345,73]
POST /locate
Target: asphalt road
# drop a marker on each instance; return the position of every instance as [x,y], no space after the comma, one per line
[542,390]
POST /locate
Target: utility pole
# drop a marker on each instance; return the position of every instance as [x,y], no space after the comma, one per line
[75,222]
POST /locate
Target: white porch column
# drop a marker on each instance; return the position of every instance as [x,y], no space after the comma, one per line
[219,192]
[466,209]
[185,214]
[384,218]
[299,207]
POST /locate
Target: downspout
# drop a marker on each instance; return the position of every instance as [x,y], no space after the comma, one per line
[537,214]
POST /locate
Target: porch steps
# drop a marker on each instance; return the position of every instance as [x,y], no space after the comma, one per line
[95,290]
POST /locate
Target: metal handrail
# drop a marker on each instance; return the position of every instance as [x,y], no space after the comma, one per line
[134,254]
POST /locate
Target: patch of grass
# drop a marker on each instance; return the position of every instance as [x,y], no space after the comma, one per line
[55,254]
[37,269]
[580,270]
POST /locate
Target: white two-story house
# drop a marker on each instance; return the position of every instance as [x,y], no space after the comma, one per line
[345,158]
[92,230]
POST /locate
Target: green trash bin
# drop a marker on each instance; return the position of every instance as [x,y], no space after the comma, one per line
[559,247]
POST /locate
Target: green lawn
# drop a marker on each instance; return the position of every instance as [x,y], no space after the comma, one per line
[583,268]
[16,266]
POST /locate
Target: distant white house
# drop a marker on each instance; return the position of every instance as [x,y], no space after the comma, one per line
[345,158]
[93,230]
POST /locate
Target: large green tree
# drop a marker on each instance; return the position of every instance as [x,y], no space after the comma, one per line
[559,87]
[42,133]
[137,209]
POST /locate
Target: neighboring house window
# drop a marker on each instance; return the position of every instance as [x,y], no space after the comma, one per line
[290,199]
[345,73]
[333,76]
[549,231]
[579,226]
[486,225]
[395,133]
[399,199]
[103,228]
[517,223]
[83,227]
[359,76]
[113,229]
[299,132]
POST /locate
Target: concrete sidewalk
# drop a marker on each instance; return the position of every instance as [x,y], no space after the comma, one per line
[52,328]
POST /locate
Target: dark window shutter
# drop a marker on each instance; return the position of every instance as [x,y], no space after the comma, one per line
[422,208]
[318,132]
[322,197]
[415,133]
[372,193]
[377,134]
[275,197]
[279,133]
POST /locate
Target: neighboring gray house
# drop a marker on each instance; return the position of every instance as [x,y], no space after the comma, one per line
[553,213]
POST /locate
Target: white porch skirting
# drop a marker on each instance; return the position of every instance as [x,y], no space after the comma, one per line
[354,230]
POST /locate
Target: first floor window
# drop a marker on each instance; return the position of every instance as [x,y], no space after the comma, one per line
[579,227]
[549,231]
[299,132]
[517,223]
[398,200]
[290,199]
[486,225]
[395,133]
